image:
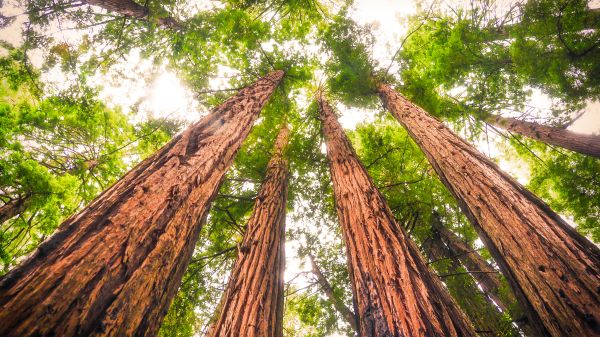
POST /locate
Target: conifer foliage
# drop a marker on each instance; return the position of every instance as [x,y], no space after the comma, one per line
[155,156]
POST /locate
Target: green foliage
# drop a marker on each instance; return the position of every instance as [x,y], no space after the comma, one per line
[60,148]
[567,181]
[351,68]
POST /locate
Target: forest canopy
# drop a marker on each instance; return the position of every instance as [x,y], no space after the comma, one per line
[370,168]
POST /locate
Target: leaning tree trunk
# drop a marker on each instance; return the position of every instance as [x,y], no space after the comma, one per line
[484,316]
[132,9]
[113,269]
[483,272]
[584,144]
[12,208]
[553,270]
[395,292]
[487,278]
[252,305]
[328,289]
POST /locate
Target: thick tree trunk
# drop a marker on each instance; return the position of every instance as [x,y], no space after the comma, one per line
[395,292]
[584,144]
[328,289]
[113,269]
[132,9]
[553,270]
[484,316]
[12,208]
[252,305]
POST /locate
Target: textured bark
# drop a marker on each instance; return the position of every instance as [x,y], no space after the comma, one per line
[328,289]
[12,208]
[132,9]
[584,144]
[395,292]
[484,316]
[252,305]
[113,269]
[553,270]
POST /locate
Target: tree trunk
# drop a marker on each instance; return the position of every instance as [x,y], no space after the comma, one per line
[13,208]
[395,292]
[252,305]
[328,289]
[584,144]
[485,317]
[132,9]
[553,270]
[487,278]
[113,269]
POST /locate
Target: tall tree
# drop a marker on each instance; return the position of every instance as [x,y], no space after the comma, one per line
[252,304]
[330,293]
[113,269]
[395,292]
[554,271]
[487,277]
[488,321]
[582,143]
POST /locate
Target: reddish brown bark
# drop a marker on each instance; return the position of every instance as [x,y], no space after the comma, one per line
[328,289]
[12,208]
[113,269]
[395,292]
[133,9]
[553,270]
[252,304]
[584,144]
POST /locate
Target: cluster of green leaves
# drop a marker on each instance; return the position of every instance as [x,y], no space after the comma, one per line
[57,153]
[61,150]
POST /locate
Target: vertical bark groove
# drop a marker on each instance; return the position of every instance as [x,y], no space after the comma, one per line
[584,144]
[553,270]
[252,305]
[395,292]
[113,268]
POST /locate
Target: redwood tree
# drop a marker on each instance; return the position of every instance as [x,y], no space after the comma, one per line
[252,304]
[112,269]
[338,304]
[395,292]
[486,276]
[582,143]
[553,270]
[488,321]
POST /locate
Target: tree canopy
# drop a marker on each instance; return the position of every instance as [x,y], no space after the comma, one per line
[64,137]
